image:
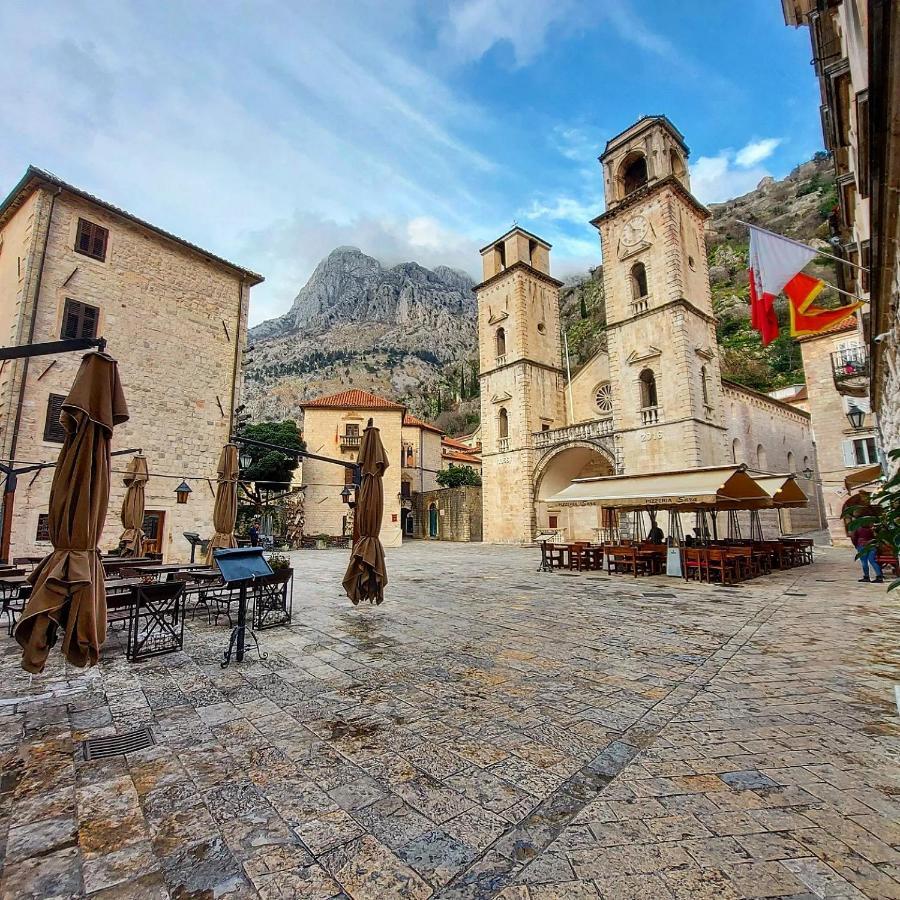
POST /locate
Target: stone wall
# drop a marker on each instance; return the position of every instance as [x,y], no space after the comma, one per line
[173,319]
[459,514]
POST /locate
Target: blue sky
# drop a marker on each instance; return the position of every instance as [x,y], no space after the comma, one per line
[271,132]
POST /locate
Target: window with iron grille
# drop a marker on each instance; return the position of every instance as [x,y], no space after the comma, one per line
[53,430]
[79,320]
[91,239]
[43,528]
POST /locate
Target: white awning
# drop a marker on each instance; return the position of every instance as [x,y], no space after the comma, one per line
[783,489]
[713,487]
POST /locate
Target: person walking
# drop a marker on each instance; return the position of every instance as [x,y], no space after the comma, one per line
[254,534]
[860,537]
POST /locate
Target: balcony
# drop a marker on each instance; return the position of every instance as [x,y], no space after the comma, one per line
[650,415]
[502,445]
[350,441]
[850,371]
[501,360]
[582,432]
[639,305]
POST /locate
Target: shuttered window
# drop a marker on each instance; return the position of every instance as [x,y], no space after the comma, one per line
[91,239]
[43,528]
[53,431]
[79,320]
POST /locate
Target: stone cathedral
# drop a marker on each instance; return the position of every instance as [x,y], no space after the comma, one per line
[654,399]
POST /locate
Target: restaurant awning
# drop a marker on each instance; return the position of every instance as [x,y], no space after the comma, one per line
[712,487]
[784,490]
[856,480]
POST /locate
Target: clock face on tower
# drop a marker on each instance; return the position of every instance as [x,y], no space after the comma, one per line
[634,230]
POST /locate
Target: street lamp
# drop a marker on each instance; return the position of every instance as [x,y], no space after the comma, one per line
[245,458]
[183,491]
[346,494]
[808,473]
[855,417]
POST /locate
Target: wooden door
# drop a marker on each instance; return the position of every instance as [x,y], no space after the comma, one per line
[154,530]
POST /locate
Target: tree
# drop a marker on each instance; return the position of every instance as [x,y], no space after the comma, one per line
[583,308]
[457,476]
[270,470]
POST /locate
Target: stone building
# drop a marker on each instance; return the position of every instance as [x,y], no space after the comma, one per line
[174,315]
[455,452]
[856,58]
[654,399]
[448,514]
[333,426]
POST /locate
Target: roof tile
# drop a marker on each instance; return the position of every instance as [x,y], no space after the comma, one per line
[354,399]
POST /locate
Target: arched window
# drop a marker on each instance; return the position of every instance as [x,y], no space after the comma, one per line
[676,162]
[638,281]
[806,465]
[737,453]
[648,389]
[633,172]
[502,423]
[501,342]
[704,385]
[762,459]
[790,460]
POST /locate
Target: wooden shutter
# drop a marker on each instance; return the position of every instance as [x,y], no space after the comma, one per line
[849,453]
[79,320]
[43,528]
[53,430]
[91,239]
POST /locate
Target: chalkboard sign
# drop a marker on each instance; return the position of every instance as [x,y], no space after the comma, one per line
[242,563]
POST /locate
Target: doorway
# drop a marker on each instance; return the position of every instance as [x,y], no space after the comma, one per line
[154,530]
[432,520]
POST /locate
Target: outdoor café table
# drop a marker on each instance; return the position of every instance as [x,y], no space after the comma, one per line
[593,557]
[167,569]
[655,559]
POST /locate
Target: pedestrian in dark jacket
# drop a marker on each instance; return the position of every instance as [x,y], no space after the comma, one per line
[860,537]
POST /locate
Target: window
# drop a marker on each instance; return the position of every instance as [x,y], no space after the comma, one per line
[545,426]
[532,249]
[405,489]
[676,162]
[790,462]
[634,173]
[862,142]
[43,528]
[348,476]
[762,458]
[638,281]
[648,389]
[704,385]
[53,430]
[737,454]
[500,256]
[860,452]
[501,343]
[554,521]
[91,239]
[79,320]
[502,423]
[351,429]
[603,397]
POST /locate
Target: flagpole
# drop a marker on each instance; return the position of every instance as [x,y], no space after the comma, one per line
[807,246]
[845,293]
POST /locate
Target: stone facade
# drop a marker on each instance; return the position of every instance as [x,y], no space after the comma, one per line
[837,444]
[159,303]
[654,399]
[449,514]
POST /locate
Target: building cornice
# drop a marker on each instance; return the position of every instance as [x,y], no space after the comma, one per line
[680,301]
[642,193]
[765,399]
[526,360]
[513,230]
[523,266]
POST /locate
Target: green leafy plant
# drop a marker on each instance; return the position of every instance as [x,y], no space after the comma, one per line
[269,470]
[278,562]
[457,476]
[882,514]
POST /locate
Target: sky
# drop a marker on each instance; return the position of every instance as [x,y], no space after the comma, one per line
[271,132]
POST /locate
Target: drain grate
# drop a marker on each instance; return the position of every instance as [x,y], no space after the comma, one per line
[117,744]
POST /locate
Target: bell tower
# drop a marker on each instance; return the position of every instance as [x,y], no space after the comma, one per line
[522,381]
[663,355]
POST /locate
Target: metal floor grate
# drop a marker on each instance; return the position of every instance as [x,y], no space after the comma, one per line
[117,744]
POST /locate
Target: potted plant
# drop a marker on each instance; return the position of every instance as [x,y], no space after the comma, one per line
[278,562]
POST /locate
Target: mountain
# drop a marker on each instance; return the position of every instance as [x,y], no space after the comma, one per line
[797,206]
[394,331]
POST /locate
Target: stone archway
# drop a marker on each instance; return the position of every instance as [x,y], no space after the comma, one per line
[556,471]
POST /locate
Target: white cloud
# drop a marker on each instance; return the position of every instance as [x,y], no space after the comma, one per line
[473,27]
[756,151]
[716,178]
[561,208]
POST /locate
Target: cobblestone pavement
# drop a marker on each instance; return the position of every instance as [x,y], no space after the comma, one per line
[488,732]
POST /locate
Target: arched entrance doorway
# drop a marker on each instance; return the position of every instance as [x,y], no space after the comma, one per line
[432,520]
[556,471]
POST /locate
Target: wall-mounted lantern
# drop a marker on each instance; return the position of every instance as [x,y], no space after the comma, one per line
[855,416]
[183,491]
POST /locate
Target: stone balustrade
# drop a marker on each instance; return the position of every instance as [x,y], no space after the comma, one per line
[581,431]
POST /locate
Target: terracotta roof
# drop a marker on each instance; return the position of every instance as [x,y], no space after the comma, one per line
[35,178]
[413,422]
[461,457]
[352,400]
[847,324]
[457,444]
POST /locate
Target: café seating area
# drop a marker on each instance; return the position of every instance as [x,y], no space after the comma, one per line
[724,562]
[150,600]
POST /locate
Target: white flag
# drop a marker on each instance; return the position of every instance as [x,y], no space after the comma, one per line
[775,260]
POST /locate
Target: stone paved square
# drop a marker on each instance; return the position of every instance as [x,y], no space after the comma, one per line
[490,731]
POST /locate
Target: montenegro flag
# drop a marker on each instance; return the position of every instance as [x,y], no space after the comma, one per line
[806,318]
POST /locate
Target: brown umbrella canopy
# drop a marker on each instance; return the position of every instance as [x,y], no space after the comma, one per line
[68,591]
[366,576]
[225,509]
[132,539]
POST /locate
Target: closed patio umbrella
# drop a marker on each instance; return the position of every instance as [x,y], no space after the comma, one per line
[366,574]
[68,592]
[225,509]
[132,539]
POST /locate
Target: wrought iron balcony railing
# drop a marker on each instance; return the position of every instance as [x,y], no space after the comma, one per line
[850,371]
[580,432]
